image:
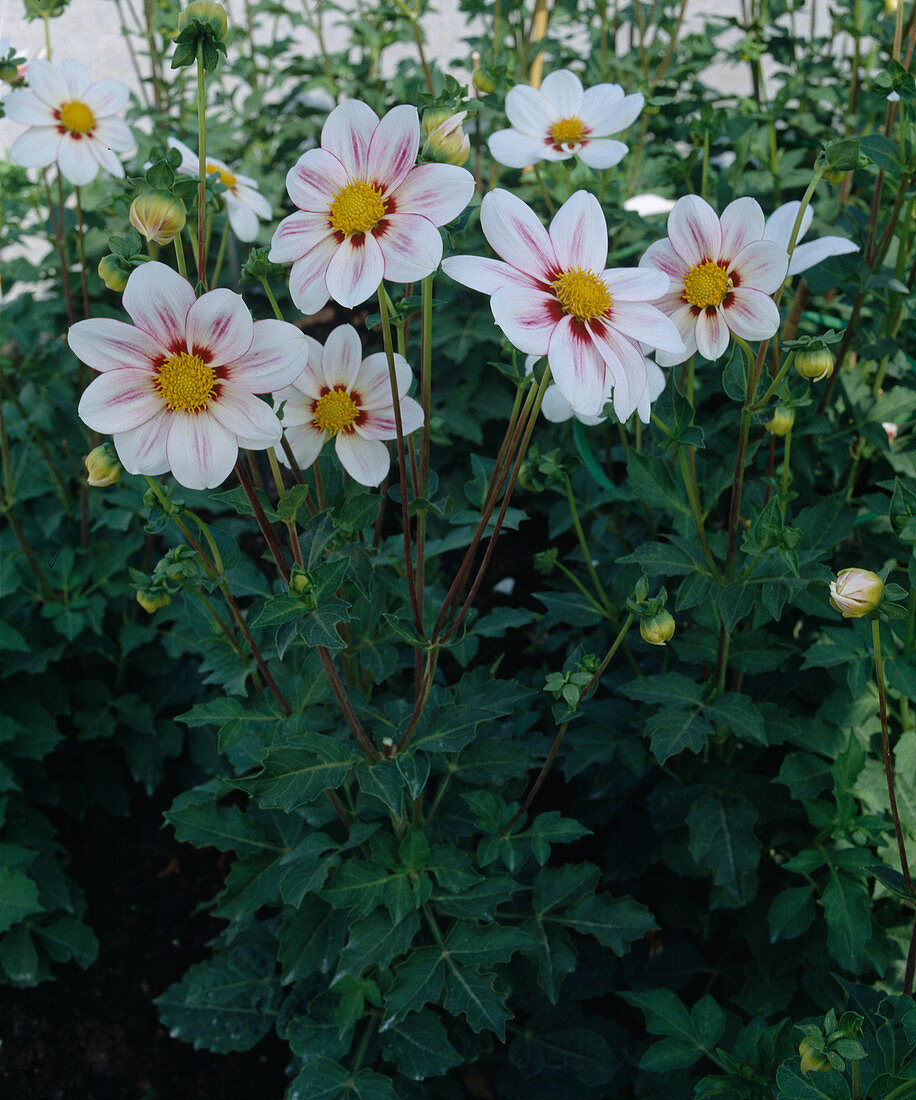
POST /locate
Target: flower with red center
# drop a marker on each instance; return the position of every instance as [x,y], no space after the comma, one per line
[561,119]
[177,387]
[722,274]
[553,296]
[244,203]
[366,212]
[342,395]
[71,121]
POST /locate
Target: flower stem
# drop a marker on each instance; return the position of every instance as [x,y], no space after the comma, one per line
[81,246]
[201,167]
[179,257]
[57,221]
[220,255]
[583,544]
[263,522]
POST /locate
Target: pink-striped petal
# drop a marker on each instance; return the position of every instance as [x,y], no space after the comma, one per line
[119,400]
[394,146]
[157,300]
[602,152]
[487,276]
[308,277]
[219,327]
[75,76]
[200,450]
[411,247]
[527,317]
[251,420]
[105,344]
[276,357]
[636,284]
[711,334]
[107,97]
[373,384]
[529,112]
[627,367]
[517,236]
[356,270]
[306,441]
[742,223]
[381,424]
[578,233]
[47,83]
[75,160]
[314,179]
[299,234]
[643,322]
[660,254]
[563,91]
[437,191]
[751,314]
[693,230]
[685,322]
[347,132]
[577,367]
[36,148]
[761,265]
[366,460]
[516,150]
[341,358]
[142,449]
[28,109]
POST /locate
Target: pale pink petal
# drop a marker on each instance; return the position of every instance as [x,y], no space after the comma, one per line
[529,111]
[578,233]
[341,358]
[75,160]
[306,441]
[373,385]
[411,247]
[686,323]
[28,109]
[276,357]
[438,191]
[251,420]
[577,367]
[606,110]
[761,265]
[485,275]
[47,83]
[116,134]
[36,148]
[355,271]
[693,230]
[296,407]
[657,381]
[527,317]
[242,219]
[781,222]
[200,450]
[346,133]
[314,179]
[106,158]
[142,449]
[119,400]
[602,152]
[660,254]
[807,255]
[514,149]
[516,235]
[556,408]
[107,97]
[394,146]
[105,344]
[308,277]
[75,76]
[563,91]
[711,334]
[751,314]
[297,235]
[381,424]
[643,322]
[219,327]
[365,460]
[742,223]
[157,300]
[636,284]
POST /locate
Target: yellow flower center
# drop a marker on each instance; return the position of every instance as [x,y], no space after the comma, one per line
[77,117]
[582,293]
[568,131]
[357,207]
[185,382]
[225,176]
[706,285]
[334,411]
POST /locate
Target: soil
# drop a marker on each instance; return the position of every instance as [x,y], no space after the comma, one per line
[95,1034]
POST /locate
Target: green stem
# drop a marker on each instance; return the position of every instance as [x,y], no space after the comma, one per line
[81,246]
[220,255]
[537,175]
[583,544]
[270,297]
[696,510]
[201,167]
[179,257]
[786,472]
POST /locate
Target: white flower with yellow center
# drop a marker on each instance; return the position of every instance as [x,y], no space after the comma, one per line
[177,387]
[71,121]
[244,203]
[561,119]
[342,396]
[722,274]
[366,212]
[553,296]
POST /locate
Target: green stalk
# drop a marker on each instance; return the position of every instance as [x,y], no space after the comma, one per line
[201,167]
[583,544]
[81,246]
[179,257]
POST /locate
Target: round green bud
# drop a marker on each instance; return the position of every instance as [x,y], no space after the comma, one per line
[811,1058]
[815,364]
[856,592]
[151,599]
[484,80]
[103,466]
[208,12]
[158,216]
[783,419]
[113,272]
[659,629]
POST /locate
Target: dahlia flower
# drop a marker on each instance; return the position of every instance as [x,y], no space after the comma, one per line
[552,296]
[560,120]
[722,272]
[70,120]
[340,394]
[177,387]
[244,203]
[778,228]
[557,409]
[366,213]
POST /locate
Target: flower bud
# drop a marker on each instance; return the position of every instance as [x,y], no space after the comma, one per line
[484,80]
[102,466]
[151,599]
[811,1059]
[815,364]
[203,28]
[446,142]
[113,272]
[783,419]
[892,430]
[208,12]
[659,629]
[890,7]
[159,216]
[856,592]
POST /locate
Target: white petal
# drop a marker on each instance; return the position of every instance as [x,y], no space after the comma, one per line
[107,97]
[219,327]
[346,133]
[355,271]
[105,344]
[75,160]
[380,423]
[276,358]
[116,134]
[563,91]
[36,148]
[515,149]
[28,109]
[119,400]
[297,235]
[627,366]
[711,334]
[437,191]
[341,358]
[75,76]
[686,324]
[308,277]
[527,317]
[393,148]
[365,460]
[606,110]
[578,233]
[142,449]
[660,254]
[252,198]
[555,407]
[189,162]
[411,246]
[314,179]
[807,255]
[780,223]
[529,112]
[642,322]
[200,450]
[517,236]
[647,204]
[485,275]
[105,157]
[693,230]
[47,83]
[741,224]
[761,265]
[636,284]
[602,152]
[751,314]
[158,300]
[577,367]
[306,442]
[373,384]
[242,219]
[251,420]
